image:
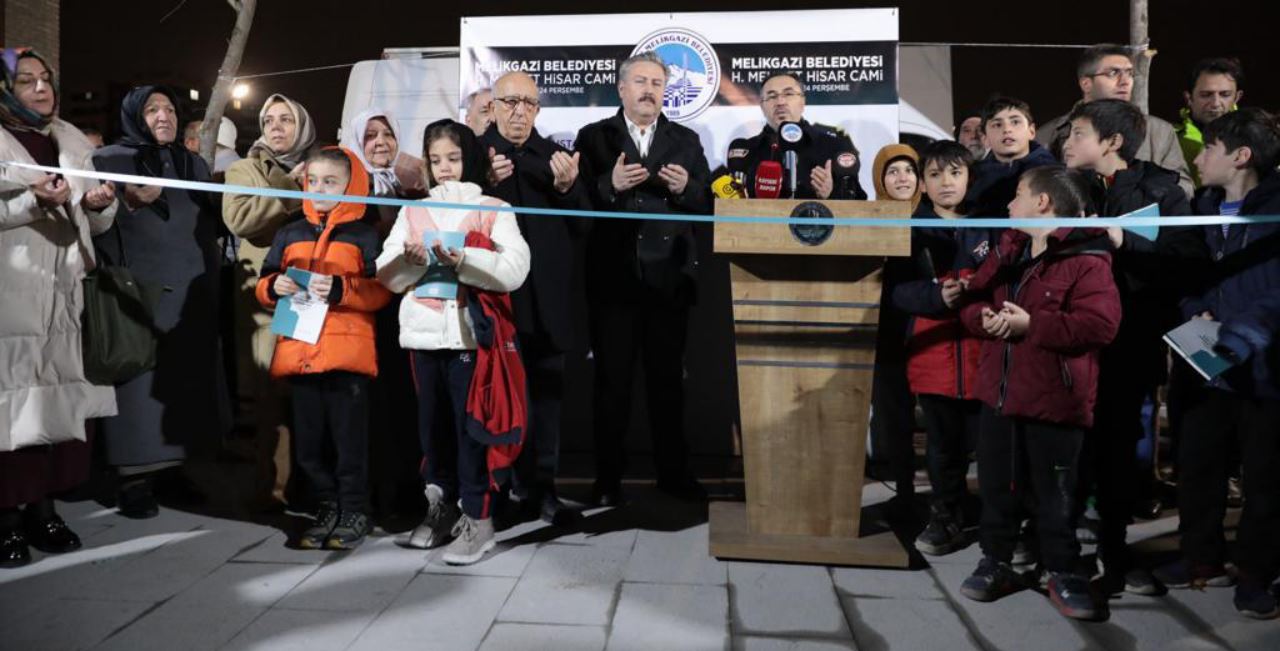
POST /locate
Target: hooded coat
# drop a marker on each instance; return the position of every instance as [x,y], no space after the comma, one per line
[338,244]
[170,245]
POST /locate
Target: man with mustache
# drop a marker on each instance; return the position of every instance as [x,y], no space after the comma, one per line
[1107,72]
[531,171]
[642,274]
[825,155]
[1215,90]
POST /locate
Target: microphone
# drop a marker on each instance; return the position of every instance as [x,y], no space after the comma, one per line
[768,180]
[790,134]
[844,175]
[725,186]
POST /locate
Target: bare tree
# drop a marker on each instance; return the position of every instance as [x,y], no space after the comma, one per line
[1139,37]
[226,77]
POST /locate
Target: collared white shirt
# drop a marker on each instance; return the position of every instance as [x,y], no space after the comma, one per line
[642,136]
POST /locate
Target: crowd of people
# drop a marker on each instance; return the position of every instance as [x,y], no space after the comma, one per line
[1033,349]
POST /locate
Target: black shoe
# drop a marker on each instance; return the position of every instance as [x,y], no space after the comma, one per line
[1181,574]
[607,494]
[51,536]
[136,500]
[13,548]
[351,530]
[317,534]
[175,487]
[683,488]
[554,512]
[992,580]
[942,535]
[1255,600]
[1070,594]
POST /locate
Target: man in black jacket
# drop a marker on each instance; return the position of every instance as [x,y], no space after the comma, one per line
[642,274]
[532,172]
[827,162]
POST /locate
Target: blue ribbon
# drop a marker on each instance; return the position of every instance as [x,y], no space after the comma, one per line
[875,222]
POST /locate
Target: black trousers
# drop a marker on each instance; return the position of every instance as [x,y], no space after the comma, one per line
[1109,466]
[893,423]
[331,431]
[950,423]
[451,459]
[539,460]
[1020,458]
[1211,423]
[653,337]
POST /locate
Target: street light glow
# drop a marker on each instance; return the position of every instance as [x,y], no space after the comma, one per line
[240,91]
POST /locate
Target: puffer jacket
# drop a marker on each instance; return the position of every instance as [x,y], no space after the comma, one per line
[44,254]
[1051,373]
[429,324]
[339,244]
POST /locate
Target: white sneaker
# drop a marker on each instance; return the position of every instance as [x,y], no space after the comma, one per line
[472,539]
[436,527]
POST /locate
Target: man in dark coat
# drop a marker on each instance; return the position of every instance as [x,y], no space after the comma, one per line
[531,171]
[827,162]
[641,274]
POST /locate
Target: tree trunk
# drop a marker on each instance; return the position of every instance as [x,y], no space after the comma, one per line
[1139,37]
[226,76]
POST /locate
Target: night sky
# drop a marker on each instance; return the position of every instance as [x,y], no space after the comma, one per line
[124,43]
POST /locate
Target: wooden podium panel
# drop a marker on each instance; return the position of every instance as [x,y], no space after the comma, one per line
[805,321]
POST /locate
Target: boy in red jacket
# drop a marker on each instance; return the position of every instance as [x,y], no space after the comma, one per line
[1045,304]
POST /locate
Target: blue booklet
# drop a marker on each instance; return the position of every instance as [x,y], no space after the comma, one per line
[1149,232]
[1194,342]
[301,315]
[439,282]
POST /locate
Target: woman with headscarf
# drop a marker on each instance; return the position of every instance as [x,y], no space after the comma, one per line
[276,160]
[374,136]
[168,239]
[46,222]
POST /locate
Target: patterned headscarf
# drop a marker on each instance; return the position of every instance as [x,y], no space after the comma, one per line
[304,135]
[12,113]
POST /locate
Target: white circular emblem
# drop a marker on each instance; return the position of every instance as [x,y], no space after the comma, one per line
[693,71]
[791,132]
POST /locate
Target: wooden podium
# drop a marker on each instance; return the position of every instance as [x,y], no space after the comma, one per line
[806,310]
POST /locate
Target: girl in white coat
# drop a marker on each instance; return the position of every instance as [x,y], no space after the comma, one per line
[439,335]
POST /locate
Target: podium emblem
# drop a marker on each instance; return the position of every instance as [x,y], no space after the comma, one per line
[809,234]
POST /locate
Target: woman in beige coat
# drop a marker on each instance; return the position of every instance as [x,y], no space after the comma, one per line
[46,222]
[274,161]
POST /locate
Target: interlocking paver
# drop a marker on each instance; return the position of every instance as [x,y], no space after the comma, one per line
[691,617]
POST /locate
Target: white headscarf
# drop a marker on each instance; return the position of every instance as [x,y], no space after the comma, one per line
[385,183]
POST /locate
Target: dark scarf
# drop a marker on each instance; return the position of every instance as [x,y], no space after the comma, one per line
[13,115]
[475,159]
[147,157]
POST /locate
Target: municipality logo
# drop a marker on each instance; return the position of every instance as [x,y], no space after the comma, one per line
[693,71]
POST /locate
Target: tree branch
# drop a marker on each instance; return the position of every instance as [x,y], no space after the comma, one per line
[226,77]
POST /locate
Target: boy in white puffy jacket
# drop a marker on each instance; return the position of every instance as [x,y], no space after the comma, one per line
[439,332]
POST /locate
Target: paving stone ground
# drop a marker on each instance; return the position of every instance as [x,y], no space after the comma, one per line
[637,577]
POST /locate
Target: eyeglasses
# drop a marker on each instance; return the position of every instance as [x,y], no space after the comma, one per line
[788,94]
[1114,73]
[512,102]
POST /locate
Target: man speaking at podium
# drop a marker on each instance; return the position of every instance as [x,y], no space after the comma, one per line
[816,161]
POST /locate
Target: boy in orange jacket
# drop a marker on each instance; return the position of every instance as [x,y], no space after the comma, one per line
[330,379]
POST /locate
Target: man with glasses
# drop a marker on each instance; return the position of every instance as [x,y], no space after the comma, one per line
[530,171]
[642,273]
[827,161]
[1106,72]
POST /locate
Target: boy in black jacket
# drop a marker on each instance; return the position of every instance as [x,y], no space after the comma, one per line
[1104,138]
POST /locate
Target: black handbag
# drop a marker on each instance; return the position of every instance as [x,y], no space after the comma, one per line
[117,326]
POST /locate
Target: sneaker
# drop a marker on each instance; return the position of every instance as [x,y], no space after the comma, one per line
[436,527]
[942,535]
[350,531]
[1256,601]
[472,539]
[1070,594]
[1141,582]
[992,580]
[1181,574]
[1024,553]
[316,535]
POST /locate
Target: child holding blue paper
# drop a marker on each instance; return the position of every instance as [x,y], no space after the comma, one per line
[334,251]
[423,259]
[1103,142]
